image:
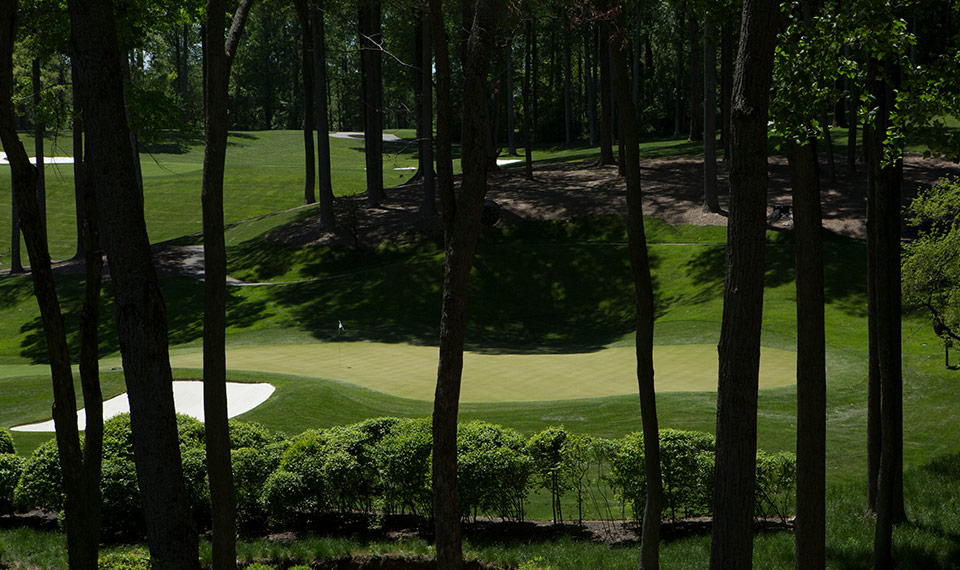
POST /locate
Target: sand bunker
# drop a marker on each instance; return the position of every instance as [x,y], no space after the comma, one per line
[188,399]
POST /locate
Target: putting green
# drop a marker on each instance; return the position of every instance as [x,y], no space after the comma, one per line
[411,371]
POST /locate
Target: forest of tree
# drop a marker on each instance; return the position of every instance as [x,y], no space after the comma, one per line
[593,71]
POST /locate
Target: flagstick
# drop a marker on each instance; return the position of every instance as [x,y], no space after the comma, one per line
[339,336]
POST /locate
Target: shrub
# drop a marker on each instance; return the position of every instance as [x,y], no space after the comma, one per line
[11,466]
[547,451]
[681,454]
[120,498]
[251,467]
[257,566]
[195,478]
[137,559]
[493,470]
[402,459]
[776,484]
[628,478]
[251,434]
[191,432]
[118,438]
[284,495]
[40,481]
[6,442]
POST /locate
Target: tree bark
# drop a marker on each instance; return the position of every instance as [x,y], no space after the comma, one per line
[810,534]
[140,312]
[567,88]
[711,201]
[371,95]
[695,60]
[309,101]
[589,50]
[16,263]
[220,55]
[606,97]
[327,219]
[511,120]
[739,348]
[643,289]
[429,206]
[527,144]
[82,517]
[461,219]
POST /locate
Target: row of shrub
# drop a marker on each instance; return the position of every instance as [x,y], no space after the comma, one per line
[383,465]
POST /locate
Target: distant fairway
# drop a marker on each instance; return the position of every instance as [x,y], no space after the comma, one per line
[411,371]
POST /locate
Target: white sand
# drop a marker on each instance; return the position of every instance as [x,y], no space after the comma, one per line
[387,137]
[46,159]
[188,399]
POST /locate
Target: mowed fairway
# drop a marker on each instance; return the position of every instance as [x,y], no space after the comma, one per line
[411,371]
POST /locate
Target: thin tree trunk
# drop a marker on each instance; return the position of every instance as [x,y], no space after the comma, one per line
[528,149]
[309,100]
[511,120]
[726,85]
[220,53]
[16,264]
[134,143]
[853,101]
[678,69]
[78,174]
[810,534]
[606,97]
[184,75]
[567,88]
[695,61]
[711,201]
[327,219]
[429,206]
[739,348]
[39,129]
[139,308]
[589,47]
[461,219]
[828,147]
[643,289]
[372,97]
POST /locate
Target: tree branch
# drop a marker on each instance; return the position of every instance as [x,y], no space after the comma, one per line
[236,29]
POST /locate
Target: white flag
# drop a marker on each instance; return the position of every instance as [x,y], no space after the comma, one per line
[340,323]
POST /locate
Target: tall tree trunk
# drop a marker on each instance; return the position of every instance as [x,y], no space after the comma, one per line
[16,264]
[589,48]
[317,13]
[527,144]
[78,173]
[38,131]
[739,348]
[606,97]
[461,219]
[184,75]
[429,206]
[511,120]
[139,308]
[635,54]
[828,146]
[884,181]
[643,289]
[695,60]
[220,54]
[853,102]
[810,532]
[726,84]
[678,69]
[309,101]
[567,88]
[134,143]
[711,201]
[82,516]
[372,97]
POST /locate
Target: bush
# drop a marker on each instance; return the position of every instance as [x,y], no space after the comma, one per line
[251,434]
[137,559]
[191,432]
[195,478]
[118,438]
[41,481]
[284,495]
[493,470]
[685,492]
[776,484]
[11,466]
[547,451]
[257,566]
[402,459]
[120,498]
[628,478]
[251,468]
[6,442]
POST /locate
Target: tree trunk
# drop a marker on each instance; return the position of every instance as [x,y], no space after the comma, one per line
[711,201]
[16,264]
[589,47]
[327,219]
[606,97]
[643,289]
[511,120]
[528,149]
[309,100]
[429,206]
[140,312]
[828,147]
[184,75]
[78,173]
[678,75]
[810,534]
[220,54]
[853,102]
[884,182]
[371,97]
[461,219]
[726,85]
[739,348]
[82,518]
[134,143]
[567,88]
[695,60]
[39,129]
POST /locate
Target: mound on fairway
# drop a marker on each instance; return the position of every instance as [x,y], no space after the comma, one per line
[411,371]
[187,397]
